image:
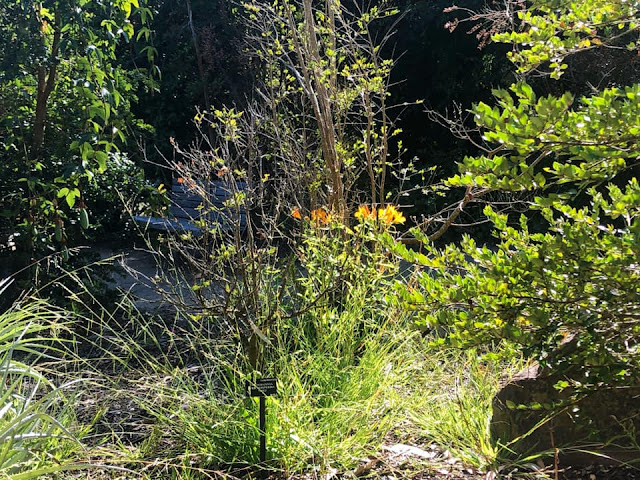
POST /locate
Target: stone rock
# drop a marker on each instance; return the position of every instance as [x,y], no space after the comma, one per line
[531,416]
[407,451]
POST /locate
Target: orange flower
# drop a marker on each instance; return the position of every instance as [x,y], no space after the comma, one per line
[296,214]
[188,182]
[320,216]
[364,213]
[390,215]
[387,215]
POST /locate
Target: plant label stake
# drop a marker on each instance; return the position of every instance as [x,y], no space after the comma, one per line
[263,388]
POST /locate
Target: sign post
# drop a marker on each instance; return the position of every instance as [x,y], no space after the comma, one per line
[263,388]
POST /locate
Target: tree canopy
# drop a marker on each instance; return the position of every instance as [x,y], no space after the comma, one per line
[66,109]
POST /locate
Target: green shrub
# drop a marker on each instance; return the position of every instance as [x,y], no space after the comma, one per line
[565,296]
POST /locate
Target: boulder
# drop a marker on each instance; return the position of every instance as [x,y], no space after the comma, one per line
[531,416]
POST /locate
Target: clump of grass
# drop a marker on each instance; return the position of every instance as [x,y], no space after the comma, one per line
[327,415]
[453,394]
[330,413]
[351,369]
[35,414]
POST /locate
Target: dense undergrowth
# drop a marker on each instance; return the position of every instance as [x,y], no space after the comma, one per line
[108,391]
[162,397]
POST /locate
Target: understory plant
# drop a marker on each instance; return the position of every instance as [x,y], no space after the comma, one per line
[335,345]
[301,149]
[558,284]
[35,414]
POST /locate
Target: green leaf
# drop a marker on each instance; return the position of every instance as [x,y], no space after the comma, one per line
[102,159]
[71,197]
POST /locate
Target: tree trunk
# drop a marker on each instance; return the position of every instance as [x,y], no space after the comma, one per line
[203,78]
[324,117]
[46,83]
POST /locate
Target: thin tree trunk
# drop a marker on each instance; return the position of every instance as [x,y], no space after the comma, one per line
[46,83]
[324,116]
[203,78]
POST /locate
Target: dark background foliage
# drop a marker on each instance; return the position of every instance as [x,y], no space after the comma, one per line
[434,67]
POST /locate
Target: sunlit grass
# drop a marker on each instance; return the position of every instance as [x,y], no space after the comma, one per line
[350,380]
[459,387]
[328,416]
[36,415]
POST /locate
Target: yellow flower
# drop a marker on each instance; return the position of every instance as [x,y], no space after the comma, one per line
[365,213]
[390,215]
[387,215]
